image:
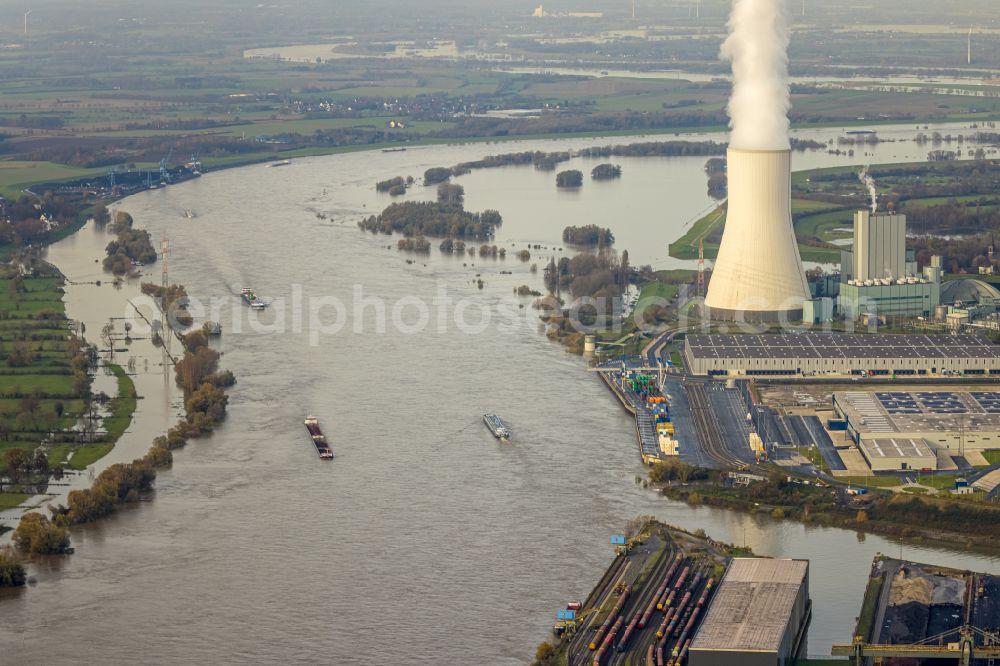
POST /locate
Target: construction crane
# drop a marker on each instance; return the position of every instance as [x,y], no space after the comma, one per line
[964,650]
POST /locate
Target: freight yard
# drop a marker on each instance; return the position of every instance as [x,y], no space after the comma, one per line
[664,584]
[649,603]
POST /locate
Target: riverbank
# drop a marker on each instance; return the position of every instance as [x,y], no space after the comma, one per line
[111,431]
[512,535]
[657,570]
[917,520]
[122,482]
[52,413]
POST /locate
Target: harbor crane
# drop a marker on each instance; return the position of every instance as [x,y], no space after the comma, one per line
[164,173]
[965,651]
[615,344]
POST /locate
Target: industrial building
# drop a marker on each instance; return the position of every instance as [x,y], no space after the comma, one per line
[879,277]
[955,420]
[758,274]
[895,454]
[879,247]
[840,354]
[817,310]
[758,616]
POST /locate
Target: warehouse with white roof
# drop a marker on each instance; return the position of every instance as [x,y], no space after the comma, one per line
[758,616]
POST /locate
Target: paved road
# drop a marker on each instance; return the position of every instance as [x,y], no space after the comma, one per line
[822,440]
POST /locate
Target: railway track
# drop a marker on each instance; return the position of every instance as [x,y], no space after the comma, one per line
[648,636]
[709,435]
[579,652]
[627,596]
[640,601]
[597,598]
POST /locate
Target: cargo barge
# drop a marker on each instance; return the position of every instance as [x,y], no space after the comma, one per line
[251,299]
[318,438]
[496,426]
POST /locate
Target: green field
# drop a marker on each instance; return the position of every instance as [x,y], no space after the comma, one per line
[708,230]
[872,481]
[656,292]
[11,500]
[992,456]
[16,175]
[39,403]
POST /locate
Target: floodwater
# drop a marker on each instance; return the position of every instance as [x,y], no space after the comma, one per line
[426,541]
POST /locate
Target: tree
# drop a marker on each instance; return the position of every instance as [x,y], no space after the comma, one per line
[21,356]
[448,193]
[12,573]
[206,406]
[194,340]
[100,214]
[81,384]
[544,652]
[571,178]
[36,534]
[195,367]
[551,276]
[625,273]
[16,462]
[436,175]
[606,172]
[123,221]
[40,464]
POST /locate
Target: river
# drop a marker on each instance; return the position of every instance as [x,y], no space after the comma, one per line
[425,541]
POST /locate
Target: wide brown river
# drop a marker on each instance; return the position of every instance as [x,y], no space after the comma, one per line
[425,541]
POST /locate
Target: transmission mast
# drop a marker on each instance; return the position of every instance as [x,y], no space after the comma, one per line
[165,258]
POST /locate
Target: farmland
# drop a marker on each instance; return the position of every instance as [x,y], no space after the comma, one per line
[45,398]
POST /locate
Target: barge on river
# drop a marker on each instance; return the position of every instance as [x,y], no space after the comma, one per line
[251,299]
[318,438]
[496,426]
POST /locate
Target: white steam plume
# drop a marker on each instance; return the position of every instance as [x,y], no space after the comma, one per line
[869,182]
[757,46]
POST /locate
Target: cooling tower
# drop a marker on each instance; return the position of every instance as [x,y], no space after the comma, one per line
[758,273]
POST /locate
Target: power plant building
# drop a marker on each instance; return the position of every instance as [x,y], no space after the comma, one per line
[879,246]
[840,354]
[758,274]
[878,278]
[758,616]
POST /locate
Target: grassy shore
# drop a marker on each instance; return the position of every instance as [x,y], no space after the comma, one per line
[813,219]
[927,519]
[11,500]
[41,402]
